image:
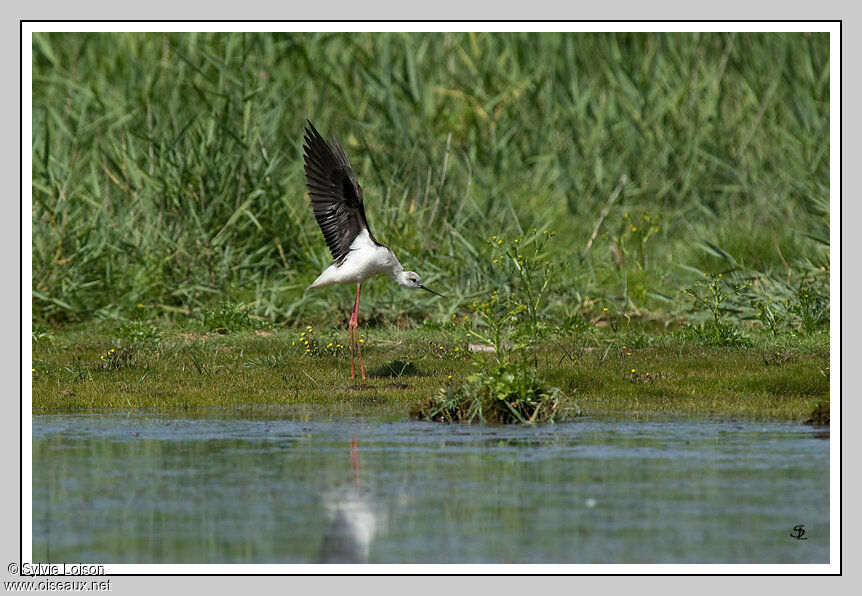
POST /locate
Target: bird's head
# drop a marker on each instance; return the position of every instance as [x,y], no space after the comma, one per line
[411,279]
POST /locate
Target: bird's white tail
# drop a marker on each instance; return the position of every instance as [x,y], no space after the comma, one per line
[324,279]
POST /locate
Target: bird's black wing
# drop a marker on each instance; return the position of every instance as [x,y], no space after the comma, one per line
[336,196]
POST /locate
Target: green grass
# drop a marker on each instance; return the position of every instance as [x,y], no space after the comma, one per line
[189,370]
[167,168]
[563,190]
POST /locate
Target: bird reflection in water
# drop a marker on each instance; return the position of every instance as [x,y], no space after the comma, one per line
[353,520]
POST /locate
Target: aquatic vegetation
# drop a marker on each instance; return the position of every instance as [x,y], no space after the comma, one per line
[510,323]
[506,393]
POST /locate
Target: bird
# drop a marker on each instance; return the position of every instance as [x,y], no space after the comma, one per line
[337,201]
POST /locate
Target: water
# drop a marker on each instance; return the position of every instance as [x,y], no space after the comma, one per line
[281,487]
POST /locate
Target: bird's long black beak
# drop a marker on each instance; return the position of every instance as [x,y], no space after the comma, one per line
[432,291]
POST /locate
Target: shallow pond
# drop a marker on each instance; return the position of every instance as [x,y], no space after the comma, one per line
[286,487]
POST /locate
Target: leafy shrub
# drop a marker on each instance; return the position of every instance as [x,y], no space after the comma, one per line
[507,393]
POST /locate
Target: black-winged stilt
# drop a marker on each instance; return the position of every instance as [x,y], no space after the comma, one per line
[336,198]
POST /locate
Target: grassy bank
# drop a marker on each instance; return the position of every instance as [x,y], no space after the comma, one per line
[641,218]
[89,367]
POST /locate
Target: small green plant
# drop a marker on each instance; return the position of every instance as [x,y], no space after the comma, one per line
[116,359]
[527,261]
[773,315]
[512,319]
[310,345]
[506,393]
[802,307]
[498,316]
[715,296]
[577,325]
[273,360]
[456,350]
[139,332]
[710,333]
[632,237]
[774,358]
[810,306]
[195,353]
[228,317]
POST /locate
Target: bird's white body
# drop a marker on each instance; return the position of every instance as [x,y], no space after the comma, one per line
[336,199]
[366,258]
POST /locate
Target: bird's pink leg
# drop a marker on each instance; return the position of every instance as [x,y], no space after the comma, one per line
[352,349]
[354,336]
